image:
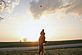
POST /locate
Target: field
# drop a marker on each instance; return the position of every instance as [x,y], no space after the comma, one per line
[32,44]
[52,50]
[65,51]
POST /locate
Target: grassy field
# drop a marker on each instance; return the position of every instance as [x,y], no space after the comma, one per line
[31,44]
[66,51]
[63,51]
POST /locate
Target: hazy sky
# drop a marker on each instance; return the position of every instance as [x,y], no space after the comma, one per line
[61,19]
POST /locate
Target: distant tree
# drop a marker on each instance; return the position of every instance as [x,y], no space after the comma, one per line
[25,39]
[20,41]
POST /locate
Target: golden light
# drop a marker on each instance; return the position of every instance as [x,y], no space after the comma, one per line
[30,31]
[32,28]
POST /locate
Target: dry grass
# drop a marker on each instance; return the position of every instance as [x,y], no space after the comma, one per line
[68,51]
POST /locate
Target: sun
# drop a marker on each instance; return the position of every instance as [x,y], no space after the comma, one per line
[31,29]
[31,32]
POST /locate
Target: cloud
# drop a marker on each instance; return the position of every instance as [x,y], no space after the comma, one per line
[40,6]
[75,7]
[70,6]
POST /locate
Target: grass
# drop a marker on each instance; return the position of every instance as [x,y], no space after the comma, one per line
[63,51]
[66,51]
[30,44]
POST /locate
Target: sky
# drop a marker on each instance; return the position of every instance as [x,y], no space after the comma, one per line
[60,19]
